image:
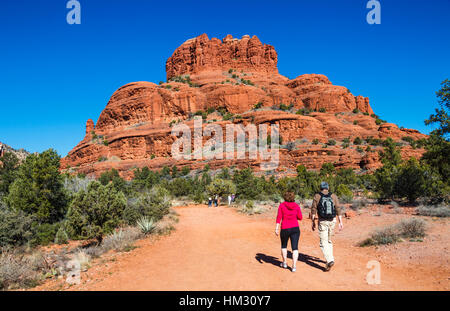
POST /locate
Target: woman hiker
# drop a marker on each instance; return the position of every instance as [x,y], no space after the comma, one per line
[289,213]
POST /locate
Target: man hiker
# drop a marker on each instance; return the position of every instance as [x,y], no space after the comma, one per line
[209,202]
[325,207]
[216,200]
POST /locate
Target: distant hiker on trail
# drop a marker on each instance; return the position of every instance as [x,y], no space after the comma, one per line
[289,213]
[209,202]
[326,206]
[229,199]
[233,197]
[216,200]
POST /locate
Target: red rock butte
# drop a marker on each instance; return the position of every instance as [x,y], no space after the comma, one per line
[239,77]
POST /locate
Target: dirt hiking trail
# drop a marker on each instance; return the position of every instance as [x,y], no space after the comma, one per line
[222,249]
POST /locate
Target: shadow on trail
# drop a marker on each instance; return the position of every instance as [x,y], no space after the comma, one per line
[309,260]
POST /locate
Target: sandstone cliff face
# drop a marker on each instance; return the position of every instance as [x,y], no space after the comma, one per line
[230,75]
[201,54]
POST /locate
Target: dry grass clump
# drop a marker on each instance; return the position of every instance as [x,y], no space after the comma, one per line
[16,271]
[434,211]
[359,204]
[250,208]
[408,229]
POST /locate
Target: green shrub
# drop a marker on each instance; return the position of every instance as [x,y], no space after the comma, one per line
[8,172]
[344,193]
[221,187]
[61,236]
[185,170]
[44,234]
[322,110]
[38,189]
[357,141]
[153,204]
[304,111]
[315,141]
[95,212]
[284,107]
[331,142]
[356,110]
[15,227]
[258,105]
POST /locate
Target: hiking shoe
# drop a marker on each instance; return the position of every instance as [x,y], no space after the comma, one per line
[294,269]
[283,265]
[329,265]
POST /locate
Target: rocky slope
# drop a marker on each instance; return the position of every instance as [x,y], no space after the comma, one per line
[239,80]
[20,153]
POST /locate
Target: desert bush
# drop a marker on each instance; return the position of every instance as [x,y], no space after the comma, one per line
[250,208]
[359,204]
[146,225]
[153,204]
[411,228]
[387,235]
[95,212]
[61,236]
[434,211]
[408,228]
[121,240]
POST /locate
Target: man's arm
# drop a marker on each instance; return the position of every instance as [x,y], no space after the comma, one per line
[338,211]
[314,212]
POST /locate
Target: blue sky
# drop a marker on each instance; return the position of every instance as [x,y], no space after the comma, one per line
[55,76]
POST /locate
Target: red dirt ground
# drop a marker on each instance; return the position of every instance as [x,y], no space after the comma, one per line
[221,249]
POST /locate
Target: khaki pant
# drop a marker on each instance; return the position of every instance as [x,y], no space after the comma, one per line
[326,231]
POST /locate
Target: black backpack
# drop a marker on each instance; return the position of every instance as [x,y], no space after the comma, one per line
[325,207]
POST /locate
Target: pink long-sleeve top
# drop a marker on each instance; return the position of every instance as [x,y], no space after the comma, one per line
[288,214]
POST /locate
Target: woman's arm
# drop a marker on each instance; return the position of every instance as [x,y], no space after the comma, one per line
[279,219]
[299,214]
